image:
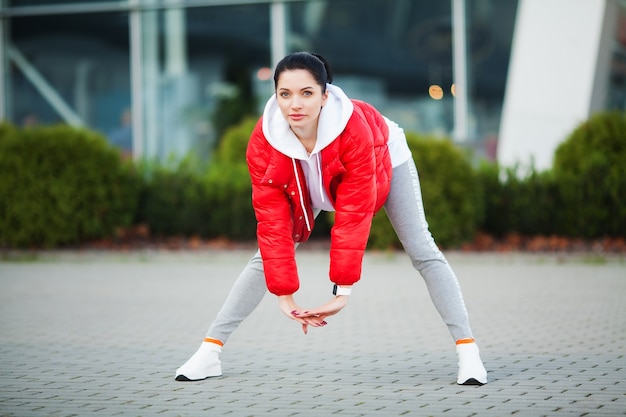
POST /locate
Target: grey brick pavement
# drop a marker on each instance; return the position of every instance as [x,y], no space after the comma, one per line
[89,334]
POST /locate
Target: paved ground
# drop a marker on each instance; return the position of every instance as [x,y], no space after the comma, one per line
[101,335]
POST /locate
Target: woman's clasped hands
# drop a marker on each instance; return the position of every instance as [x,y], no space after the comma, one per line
[313,317]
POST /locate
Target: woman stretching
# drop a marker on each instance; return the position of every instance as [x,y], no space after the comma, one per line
[315,149]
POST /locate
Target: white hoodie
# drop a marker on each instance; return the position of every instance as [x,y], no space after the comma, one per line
[333,120]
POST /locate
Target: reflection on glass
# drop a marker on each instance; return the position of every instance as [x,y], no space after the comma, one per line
[616,95]
[391,52]
[435,92]
[69,69]
[204,68]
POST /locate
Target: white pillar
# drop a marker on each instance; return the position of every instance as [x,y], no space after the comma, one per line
[145,53]
[459,58]
[3,72]
[136,79]
[175,42]
[552,76]
[278,25]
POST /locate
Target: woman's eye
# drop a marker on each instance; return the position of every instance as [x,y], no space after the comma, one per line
[307,93]
[284,94]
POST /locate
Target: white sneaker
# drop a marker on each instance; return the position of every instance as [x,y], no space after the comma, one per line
[205,363]
[471,368]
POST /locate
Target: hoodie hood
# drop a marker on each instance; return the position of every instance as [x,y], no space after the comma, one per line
[333,120]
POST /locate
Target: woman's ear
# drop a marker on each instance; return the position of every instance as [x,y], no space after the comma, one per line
[324,98]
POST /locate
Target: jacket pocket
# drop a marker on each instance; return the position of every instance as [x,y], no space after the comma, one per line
[278,172]
[335,168]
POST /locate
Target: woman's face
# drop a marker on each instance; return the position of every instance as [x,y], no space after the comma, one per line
[300,98]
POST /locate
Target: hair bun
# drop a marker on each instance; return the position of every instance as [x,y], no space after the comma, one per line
[329,73]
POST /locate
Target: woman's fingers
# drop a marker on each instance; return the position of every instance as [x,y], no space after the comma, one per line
[317,313]
[294,312]
[311,321]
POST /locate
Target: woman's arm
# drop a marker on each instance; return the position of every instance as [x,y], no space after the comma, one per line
[355,202]
[273,214]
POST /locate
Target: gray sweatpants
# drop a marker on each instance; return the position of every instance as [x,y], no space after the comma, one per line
[406,212]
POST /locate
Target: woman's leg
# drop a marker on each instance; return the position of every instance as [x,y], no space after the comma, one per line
[245,295]
[406,213]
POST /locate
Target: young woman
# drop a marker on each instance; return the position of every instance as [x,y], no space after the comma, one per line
[315,149]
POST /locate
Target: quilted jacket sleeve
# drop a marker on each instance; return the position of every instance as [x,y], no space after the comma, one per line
[273,215]
[355,201]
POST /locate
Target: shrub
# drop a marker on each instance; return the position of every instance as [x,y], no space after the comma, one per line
[175,202]
[451,193]
[232,214]
[62,185]
[590,167]
[514,204]
[215,201]
[230,200]
[232,147]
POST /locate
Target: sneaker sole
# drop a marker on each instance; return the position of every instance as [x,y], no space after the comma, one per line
[183,378]
[472,381]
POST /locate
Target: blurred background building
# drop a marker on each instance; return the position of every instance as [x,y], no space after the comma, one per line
[508,78]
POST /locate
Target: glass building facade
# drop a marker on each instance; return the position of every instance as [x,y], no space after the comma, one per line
[166,77]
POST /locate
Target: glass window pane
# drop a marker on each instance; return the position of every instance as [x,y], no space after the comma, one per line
[397,54]
[386,52]
[20,3]
[71,68]
[616,95]
[490,26]
[198,74]
[204,68]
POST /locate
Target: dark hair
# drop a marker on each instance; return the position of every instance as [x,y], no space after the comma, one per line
[314,63]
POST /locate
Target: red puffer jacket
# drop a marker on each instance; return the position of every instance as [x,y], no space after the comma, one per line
[356,174]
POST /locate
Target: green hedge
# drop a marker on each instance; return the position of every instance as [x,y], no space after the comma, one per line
[206,201]
[232,215]
[515,204]
[451,193]
[590,168]
[174,202]
[60,185]
[581,196]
